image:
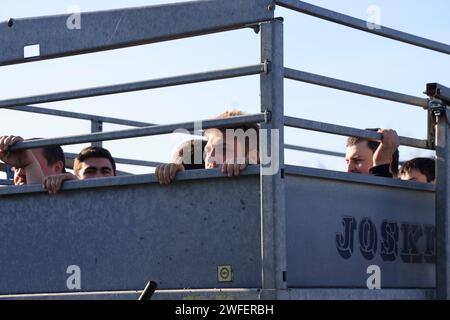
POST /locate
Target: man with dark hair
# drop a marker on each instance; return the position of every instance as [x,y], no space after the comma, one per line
[94,162]
[31,166]
[418,169]
[378,158]
[91,163]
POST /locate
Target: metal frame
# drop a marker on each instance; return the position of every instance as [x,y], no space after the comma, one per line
[273,215]
[359,24]
[441,110]
[140,132]
[136,86]
[114,29]
[348,131]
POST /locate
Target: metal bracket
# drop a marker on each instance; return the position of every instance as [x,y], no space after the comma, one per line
[438,91]
[437,106]
[267,116]
[267,66]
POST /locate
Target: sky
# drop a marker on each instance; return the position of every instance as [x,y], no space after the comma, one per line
[311,45]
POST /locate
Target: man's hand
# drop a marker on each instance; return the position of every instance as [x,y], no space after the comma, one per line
[54,183]
[166,173]
[17,159]
[233,169]
[387,147]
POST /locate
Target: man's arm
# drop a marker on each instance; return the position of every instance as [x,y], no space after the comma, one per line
[166,173]
[54,183]
[20,159]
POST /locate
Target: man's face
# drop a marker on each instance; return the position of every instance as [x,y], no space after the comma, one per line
[95,168]
[359,158]
[218,150]
[20,177]
[414,175]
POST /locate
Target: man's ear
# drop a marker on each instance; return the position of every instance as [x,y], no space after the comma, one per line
[58,167]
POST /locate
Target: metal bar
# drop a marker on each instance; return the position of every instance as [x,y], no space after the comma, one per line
[6,182]
[357,178]
[360,294]
[362,25]
[313,150]
[127,180]
[83,116]
[96,126]
[443,205]
[140,132]
[348,131]
[123,161]
[436,90]
[136,86]
[9,172]
[354,87]
[70,165]
[273,210]
[62,35]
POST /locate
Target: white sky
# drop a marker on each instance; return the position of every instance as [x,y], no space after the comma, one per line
[311,45]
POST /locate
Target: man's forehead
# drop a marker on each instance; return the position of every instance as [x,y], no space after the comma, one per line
[213,132]
[359,149]
[96,162]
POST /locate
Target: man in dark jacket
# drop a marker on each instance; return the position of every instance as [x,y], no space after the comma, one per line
[378,158]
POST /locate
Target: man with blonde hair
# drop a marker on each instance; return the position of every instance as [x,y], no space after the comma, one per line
[230,149]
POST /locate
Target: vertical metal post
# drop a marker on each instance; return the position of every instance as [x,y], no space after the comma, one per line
[96,126]
[273,215]
[442,204]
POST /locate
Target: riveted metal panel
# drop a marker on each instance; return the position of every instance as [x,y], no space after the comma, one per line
[122,236]
[337,227]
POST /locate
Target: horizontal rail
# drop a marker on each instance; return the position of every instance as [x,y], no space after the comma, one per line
[123,161]
[357,178]
[354,87]
[140,132]
[362,25]
[83,116]
[314,150]
[436,90]
[137,179]
[348,131]
[60,36]
[136,86]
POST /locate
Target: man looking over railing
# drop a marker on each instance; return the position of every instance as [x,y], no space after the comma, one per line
[91,163]
[419,169]
[229,149]
[31,166]
[378,158]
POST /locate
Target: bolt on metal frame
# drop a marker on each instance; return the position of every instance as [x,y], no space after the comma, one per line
[202,17]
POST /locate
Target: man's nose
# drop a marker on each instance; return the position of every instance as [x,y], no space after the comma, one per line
[350,167]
